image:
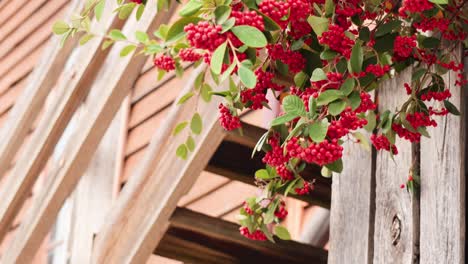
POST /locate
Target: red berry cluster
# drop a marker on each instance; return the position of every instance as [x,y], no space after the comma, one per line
[420,119]
[378,70]
[431,24]
[293,59]
[247,209]
[334,81]
[441,112]
[256,235]
[403,46]
[414,6]
[366,103]
[204,35]
[406,134]
[336,130]
[227,120]
[164,62]
[281,211]
[249,18]
[299,29]
[284,173]
[189,55]
[136,1]
[382,142]
[276,10]
[305,189]
[437,96]
[275,157]
[299,10]
[350,120]
[322,153]
[336,39]
[253,98]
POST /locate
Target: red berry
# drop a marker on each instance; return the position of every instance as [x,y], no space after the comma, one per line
[227,120]
[164,62]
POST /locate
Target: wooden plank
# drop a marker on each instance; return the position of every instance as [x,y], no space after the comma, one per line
[95,192]
[9,98]
[350,242]
[396,219]
[113,84]
[205,184]
[70,92]
[223,237]
[443,183]
[128,239]
[316,230]
[9,9]
[35,21]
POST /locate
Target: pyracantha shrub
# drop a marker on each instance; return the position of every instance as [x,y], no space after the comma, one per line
[322,59]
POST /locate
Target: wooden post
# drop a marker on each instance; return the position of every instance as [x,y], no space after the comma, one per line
[137,223]
[114,82]
[352,204]
[396,219]
[443,183]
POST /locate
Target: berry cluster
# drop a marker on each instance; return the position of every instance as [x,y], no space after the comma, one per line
[276,10]
[256,235]
[305,189]
[204,35]
[403,46]
[414,6]
[189,55]
[366,103]
[437,96]
[281,211]
[382,142]
[293,59]
[321,153]
[377,69]
[227,120]
[275,157]
[336,39]
[164,62]
[249,18]
[284,173]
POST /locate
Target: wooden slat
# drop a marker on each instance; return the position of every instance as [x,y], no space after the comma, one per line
[70,92]
[194,230]
[443,179]
[114,82]
[35,21]
[396,230]
[349,242]
[131,239]
[10,8]
[205,184]
[10,97]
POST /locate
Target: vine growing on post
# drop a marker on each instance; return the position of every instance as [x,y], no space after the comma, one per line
[321,59]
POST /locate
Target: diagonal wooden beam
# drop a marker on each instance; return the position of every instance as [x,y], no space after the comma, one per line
[39,85]
[137,223]
[113,84]
[71,90]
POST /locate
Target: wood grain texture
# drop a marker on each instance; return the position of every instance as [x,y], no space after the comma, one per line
[352,200]
[71,90]
[136,224]
[396,221]
[443,184]
[113,84]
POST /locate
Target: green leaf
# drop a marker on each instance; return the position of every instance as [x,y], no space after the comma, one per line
[206,92]
[196,124]
[312,106]
[440,2]
[430,42]
[126,10]
[217,58]
[181,151]
[354,100]
[283,119]
[140,10]
[293,104]
[362,140]
[141,36]
[127,49]
[270,24]
[300,79]
[99,8]
[336,166]
[190,8]
[228,24]
[250,36]
[336,107]
[106,44]
[357,58]
[179,128]
[318,75]
[116,34]
[364,34]
[262,174]
[247,76]
[318,131]
[190,143]
[290,186]
[387,27]
[260,143]
[161,32]
[318,24]
[282,232]
[371,121]
[222,13]
[326,172]
[60,27]
[185,98]
[451,108]
[85,38]
[328,54]
[329,96]
[176,31]
[329,8]
[348,86]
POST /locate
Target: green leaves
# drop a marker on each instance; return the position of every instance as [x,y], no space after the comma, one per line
[282,232]
[127,50]
[246,75]
[318,130]
[357,58]
[318,24]
[222,13]
[292,104]
[440,2]
[116,34]
[451,108]
[329,96]
[283,119]
[335,108]
[182,151]
[336,166]
[318,75]
[387,27]
[99,8]
[60,27]
[217,58]
[250,36]
[179,128]
[264,175]
[196,124]
[348,86]
[190,8]
[176,31]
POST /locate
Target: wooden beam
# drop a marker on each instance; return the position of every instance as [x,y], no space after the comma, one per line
[316,230]
[137,223]
[39,84]
[350,242]
[443,181]
[70,92]
[196,238]
[114,82]
[396,218]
